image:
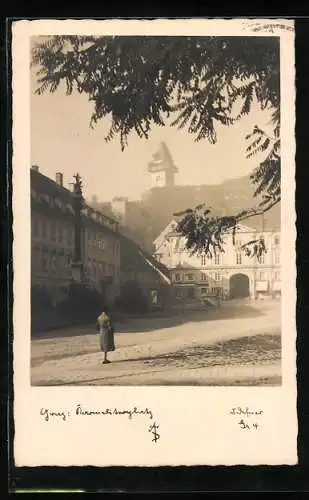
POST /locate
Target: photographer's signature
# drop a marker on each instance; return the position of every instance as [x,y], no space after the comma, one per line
[247,418]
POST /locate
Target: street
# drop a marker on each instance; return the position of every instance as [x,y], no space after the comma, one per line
[236,344]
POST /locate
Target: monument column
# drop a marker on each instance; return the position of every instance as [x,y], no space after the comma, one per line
[78,205]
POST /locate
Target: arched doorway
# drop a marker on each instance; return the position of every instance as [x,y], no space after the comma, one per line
[239,286]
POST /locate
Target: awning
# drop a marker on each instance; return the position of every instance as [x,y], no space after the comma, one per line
[184,285]
[261,286]
[277,286]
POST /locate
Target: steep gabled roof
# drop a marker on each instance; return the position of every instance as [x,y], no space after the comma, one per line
[168,229]
[133,256]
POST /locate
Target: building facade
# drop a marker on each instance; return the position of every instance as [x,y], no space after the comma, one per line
[230,274]
[101,247]
[52,241]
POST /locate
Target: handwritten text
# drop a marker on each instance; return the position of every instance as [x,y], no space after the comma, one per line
[268,27]
[79,411]
[247,419]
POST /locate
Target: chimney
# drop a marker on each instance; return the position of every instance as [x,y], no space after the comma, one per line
[35,168]
[59,179]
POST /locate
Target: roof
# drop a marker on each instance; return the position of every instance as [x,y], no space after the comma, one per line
[240,229]
[162,160]
[132,256]
[46,186]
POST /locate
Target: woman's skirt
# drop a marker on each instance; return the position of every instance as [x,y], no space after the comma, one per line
[107,342]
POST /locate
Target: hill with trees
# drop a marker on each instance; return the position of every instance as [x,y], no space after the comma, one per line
[145,219]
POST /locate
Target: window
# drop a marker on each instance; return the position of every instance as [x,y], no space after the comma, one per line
[203,277]
[67,263]
[110,269]
[217,276]
[238,258]
[204,290]
[203,260]
[217,259]
[45,197]
[45,261]
[190,277]
[53,262]
[277,240]
[61,261]
[154,296]
[37,259]
[177,277]
[70,236]
[53,232]
[277,276]
[35,227]
[44,229]
[277,258]
[60,234]
[262,259]
[190,293]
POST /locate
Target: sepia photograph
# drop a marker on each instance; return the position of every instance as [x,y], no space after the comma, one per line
[155,210]
[154,242]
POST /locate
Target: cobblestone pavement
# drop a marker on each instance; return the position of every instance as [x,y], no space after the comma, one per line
[237,344]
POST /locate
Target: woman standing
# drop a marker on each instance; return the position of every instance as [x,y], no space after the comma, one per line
[106,334]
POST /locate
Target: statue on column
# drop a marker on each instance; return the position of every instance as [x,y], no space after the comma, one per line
[78,185]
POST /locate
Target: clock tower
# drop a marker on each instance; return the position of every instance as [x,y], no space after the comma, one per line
[162,168]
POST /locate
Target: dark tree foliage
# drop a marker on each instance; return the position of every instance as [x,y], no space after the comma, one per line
[143,81]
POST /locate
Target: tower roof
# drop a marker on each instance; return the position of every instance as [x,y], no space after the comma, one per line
[162,160]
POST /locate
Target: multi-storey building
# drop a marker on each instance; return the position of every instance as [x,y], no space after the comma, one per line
[232,273]
[101,246]
[52,240]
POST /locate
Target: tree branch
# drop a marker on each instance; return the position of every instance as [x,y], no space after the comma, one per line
[258,211]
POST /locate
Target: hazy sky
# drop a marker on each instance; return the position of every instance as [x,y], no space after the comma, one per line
[61,140]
